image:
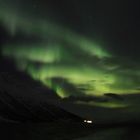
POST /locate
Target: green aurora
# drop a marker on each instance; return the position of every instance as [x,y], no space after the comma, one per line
[65,61]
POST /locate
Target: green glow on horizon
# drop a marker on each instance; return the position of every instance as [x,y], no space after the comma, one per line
[110,104]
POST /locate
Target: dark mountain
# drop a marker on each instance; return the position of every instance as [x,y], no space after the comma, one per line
[14,110]
[24,100]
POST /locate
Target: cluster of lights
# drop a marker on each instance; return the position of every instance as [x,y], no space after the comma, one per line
[88,121]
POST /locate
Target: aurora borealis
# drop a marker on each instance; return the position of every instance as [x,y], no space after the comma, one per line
[64,60]
[67,63]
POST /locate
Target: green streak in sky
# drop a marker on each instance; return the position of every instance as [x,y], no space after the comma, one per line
[65,61]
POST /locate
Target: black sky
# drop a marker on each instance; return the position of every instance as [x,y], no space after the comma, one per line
[116,22]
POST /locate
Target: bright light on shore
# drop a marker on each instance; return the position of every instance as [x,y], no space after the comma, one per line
[88,121]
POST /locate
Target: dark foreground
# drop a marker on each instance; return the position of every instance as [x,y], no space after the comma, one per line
[68,131]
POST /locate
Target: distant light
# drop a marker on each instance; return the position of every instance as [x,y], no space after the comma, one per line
[88,121]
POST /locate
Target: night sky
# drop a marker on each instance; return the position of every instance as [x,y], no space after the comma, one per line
[77,48]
